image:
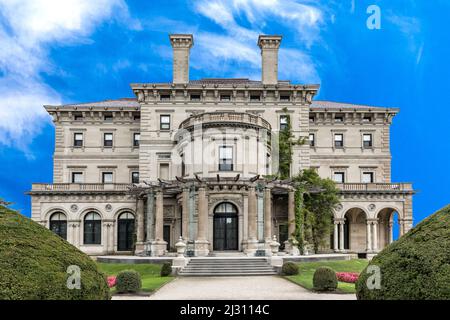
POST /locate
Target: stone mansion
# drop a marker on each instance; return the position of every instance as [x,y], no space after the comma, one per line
[191,158]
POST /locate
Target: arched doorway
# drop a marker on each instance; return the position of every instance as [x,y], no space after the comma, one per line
[125,232]
[225,227]
[58,224]
[355,235]
[388,226]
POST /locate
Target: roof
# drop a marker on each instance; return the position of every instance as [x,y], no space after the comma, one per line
[122,102]
[320,104]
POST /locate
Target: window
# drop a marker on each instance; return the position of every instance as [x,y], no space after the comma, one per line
[195,97]
[183,166]
[339,118]
[284,119]
[367,140]
[136,139]
[339,177]
[255,98]
[58,224]
[338,140]
[137,117]
[107,177]
[77,177]
[135,177]
[165,97]
[225,158]
[312,119]
[78,140]
[225,97]
[164,171]
[78,116]
[108,140]
[267,164]
[164,122]
[108,117]
[367,177]
[285,98]
[367,119]
[92,228]
[312,141]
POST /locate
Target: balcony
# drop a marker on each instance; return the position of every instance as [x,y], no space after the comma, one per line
[79,187]
[375,187]
[226,118]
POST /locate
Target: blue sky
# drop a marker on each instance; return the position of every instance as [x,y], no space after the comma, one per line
[80,50]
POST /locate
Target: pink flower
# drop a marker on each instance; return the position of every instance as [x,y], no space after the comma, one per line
[111,281]
[349,277]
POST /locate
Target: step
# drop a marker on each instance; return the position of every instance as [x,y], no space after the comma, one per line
[226,274]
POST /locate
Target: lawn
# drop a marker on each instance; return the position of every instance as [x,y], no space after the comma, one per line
[151,280]
[306,272]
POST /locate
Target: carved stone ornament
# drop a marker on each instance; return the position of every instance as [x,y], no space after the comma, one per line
[74,208]
[108,207]
[339,207]
[372,207]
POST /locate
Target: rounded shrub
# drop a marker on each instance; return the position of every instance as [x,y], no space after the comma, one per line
[166,269]
[289,269]
[128,281]
[416,266]
[36,264]
[324,279]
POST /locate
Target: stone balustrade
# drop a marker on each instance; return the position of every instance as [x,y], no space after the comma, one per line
[374,187]
[227,118]
[39,187]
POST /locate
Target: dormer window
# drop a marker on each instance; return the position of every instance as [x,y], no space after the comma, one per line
[165,97]
[108,117]
[367,119]
[339,118]
[195,97]
[78,116]
[255,98]
[285,98]
[225,97]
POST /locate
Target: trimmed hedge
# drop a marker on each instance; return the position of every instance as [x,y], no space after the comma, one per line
[416,267]
[325,279]
[289,268]
[34,263]
[166,269]
[128,281]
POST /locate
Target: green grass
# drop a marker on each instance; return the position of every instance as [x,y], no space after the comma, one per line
[306,272]
[151,280]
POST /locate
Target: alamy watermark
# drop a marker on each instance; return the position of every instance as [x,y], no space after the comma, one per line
[74,280]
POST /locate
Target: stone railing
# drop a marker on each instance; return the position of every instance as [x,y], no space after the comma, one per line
[80,187]
[375,186]
[225,117]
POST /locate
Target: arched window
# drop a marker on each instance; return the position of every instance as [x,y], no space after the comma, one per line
[58,224]
[125,232]
[92,228]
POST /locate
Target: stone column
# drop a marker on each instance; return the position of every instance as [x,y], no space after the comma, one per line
[391,232]
[139,227]
[202,244]
[150,217]
[252,242]
[159,246]
[291,213]
[369,236]
[400,227]
[335,237]
[267,215]
[375,235]
[341,236]
[185,214]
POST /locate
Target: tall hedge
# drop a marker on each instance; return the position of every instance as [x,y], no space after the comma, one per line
[34,263]
[417,266]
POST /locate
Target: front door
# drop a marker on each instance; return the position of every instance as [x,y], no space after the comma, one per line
[125,235]
[225,232]
[166,235]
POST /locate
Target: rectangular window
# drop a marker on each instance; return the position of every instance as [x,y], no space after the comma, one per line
[339,118]
[338,140]
[78,139]
[312,119]
[164,171]
[108,117]
[367,177]
[367,119]
[367,140]
[108,140]
[164,122]
[255,98]
[225,97]
[183,166]
[77,177]
[225,158]
[164,97]
[135,177]
[78,116]
[107,177]
[312,140]
[339,177]
[284,119]
[267,163]
[136,139]
[285,98]
[137,117]
[195,97]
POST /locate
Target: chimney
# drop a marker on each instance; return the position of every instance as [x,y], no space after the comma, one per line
[269,53]
[181,45]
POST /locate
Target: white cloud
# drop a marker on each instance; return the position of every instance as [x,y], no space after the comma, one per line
[27,28]
[238,43]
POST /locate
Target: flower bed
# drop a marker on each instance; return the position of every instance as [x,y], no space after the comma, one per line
[111,281]
[348,277]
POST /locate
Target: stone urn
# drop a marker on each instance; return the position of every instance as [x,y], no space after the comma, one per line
[274,245]
[181,247]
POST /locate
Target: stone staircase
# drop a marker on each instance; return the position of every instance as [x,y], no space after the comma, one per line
[211,267]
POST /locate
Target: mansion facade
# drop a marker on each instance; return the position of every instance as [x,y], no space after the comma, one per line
[192,159]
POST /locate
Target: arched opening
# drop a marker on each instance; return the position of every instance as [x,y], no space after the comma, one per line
[355,230]
[225,227]
[58,224]
[92,228]
[125,231]
[388,226]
